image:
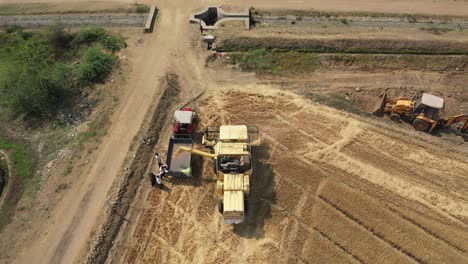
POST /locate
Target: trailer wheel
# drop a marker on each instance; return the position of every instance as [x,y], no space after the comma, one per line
[395,117]
[421,125]
[246,205]
[220,207]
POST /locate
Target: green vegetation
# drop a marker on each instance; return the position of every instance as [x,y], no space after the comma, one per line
[276,62]
[23,164]
[141,8]
[38,73]
[343,45]
[98,34]
[94,66]
[43,76]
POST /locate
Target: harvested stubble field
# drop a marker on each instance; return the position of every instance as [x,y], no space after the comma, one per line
[326,188]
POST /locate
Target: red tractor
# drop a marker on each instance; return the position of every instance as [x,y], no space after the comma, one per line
[184,123]
[183,127]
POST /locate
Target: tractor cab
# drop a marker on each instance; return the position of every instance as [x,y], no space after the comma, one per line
[429,105]
[184,123]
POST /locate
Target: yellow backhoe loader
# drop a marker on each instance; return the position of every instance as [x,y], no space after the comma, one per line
[422,113]
[231,152]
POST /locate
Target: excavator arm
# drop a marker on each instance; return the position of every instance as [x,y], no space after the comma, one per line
[197,152]
[458,118]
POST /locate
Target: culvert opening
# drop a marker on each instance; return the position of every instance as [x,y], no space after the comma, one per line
[210,17]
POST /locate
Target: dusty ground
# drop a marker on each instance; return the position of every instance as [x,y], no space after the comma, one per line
[315,166]
[327,187]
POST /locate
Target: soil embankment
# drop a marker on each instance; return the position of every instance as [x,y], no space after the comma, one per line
[74,20]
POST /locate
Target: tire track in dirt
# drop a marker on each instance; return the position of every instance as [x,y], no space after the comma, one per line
[429,232]
[389,202]
[301,172]
[381,244]
[375,231]
[338,245]
[415,173]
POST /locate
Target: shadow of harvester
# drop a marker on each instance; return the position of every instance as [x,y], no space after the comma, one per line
[262,195]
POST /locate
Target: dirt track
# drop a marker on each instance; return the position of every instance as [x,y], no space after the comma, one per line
[79,211]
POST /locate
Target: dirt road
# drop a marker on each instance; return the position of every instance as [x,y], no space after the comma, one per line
[77,214]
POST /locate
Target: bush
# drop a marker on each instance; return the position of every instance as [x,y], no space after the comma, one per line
[13,28]
[33,94]
[98,34]
[94,66]
[57,37]
[38,70]
[141,8]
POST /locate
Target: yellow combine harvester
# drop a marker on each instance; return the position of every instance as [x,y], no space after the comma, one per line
[231,151]
[422,113]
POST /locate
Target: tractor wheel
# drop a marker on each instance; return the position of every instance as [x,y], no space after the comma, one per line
[421,125]
[395,117]
[220,207]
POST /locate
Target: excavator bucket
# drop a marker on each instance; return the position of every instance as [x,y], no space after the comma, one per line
[378,109]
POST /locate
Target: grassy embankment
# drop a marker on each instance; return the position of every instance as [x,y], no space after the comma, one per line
[42,73]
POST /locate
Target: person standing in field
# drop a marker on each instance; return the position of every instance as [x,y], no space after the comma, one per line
[162,171]
[159,182]
[158,159]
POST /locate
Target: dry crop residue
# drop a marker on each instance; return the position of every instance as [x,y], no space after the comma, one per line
[326,188]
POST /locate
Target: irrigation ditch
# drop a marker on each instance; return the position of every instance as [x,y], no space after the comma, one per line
[124,188]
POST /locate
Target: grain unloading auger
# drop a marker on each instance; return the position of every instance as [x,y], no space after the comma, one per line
[422,113]
[231,152]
